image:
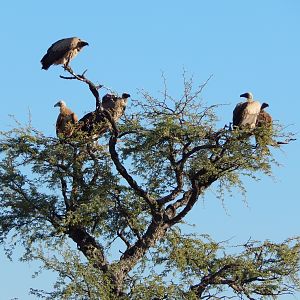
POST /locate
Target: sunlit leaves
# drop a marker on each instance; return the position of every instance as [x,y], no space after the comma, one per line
[124,193]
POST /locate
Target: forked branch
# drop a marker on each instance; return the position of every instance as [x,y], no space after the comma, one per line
[93,88]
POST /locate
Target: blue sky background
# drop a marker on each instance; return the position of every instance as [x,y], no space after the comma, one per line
[246,46]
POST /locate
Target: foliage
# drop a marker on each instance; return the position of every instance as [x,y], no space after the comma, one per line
[121,201]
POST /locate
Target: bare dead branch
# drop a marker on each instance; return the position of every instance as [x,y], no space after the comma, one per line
[93,88]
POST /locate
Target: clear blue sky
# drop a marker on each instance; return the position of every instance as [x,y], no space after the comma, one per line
[246,45]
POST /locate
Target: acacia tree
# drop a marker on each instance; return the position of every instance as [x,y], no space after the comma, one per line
[122,200]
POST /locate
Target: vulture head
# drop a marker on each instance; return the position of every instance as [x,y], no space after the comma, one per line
[60,103]
[112,98]
[247,95]
[264,118]
[125,95]
[264,105]
[82,43]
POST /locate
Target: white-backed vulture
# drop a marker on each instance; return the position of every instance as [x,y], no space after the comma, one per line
[62,51]
[264,119]
[94,122]
[245,113]
[65,121]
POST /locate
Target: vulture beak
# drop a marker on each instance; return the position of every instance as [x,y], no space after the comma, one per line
[245,95]
[57,104]
[83,43]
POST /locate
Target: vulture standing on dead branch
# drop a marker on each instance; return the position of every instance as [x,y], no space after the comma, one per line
[66,120]
[62,51]
[246,113]
[94,122]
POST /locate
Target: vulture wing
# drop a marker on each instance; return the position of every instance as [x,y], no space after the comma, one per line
[60,125]
[74,118]
[87,122]
[91,123]
[65,122]
[263,118]
[58,50]
[237,113]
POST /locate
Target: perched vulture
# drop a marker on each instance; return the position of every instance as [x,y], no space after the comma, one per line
[264,118]
[62,51]
[245,113]
[94,122]
[264,121]
[65,120]
[115,105]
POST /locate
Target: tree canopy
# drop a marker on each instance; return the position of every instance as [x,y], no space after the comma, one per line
[122,199]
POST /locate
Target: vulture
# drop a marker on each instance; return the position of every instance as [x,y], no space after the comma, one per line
[114,105]
[62,51]
[264,121]
[65,120]
[246,113]
[263,117]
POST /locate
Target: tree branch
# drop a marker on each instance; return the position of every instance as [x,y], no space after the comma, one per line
[93,88]
[122,170]
[64,191]
[211,279]
[178,169]
[88,246]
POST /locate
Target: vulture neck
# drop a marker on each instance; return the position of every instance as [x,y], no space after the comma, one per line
[63,109]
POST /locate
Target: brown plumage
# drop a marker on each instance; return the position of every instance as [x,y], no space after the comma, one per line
[264,125]
[94,122]
[65,120]
[264,118]
[237,113]
[245,113]
[115,105]
[62,51]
